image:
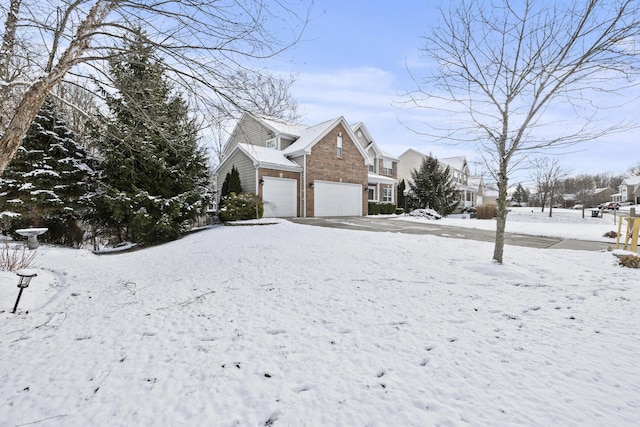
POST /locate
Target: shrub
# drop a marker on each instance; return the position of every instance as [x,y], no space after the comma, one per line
[238,207]
[611,234]
[381,208]
[630,261]
[487,211]
[399,211]
[16,257]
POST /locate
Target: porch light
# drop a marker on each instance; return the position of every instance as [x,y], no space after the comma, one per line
[261,181]
[311,185]
[25,277]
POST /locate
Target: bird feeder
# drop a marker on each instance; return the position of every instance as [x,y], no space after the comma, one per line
[24,278]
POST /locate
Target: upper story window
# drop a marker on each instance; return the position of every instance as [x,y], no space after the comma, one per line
[387,167]
[339,145]
[372,168]
[272,143]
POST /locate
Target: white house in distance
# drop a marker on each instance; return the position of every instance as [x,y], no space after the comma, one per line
[628,191]
[467,191]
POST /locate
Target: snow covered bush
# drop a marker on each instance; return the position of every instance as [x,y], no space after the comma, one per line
[425,213]
[241,206]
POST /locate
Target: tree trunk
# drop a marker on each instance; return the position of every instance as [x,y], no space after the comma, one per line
[503,183]
[34,97]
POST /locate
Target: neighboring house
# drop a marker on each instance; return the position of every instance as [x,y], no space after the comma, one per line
[601,195]
[467,192]
[628,191]
[307,171]
[483,194]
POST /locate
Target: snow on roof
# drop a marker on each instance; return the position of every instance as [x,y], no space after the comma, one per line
[310,135]
[381,179]
[389,156]
[269,156]
[457,162]
[632,180]
[282,126]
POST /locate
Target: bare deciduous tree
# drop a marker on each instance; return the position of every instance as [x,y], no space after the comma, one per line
[205,45]
[547,174]
[267,94]
[585,188]
[499,67]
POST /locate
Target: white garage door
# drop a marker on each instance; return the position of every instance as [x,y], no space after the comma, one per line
[279,197]
[337,199]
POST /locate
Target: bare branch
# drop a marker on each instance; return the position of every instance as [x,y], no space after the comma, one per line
[502,69]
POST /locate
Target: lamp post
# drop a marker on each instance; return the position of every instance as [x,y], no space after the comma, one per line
[25,277]
[405,193]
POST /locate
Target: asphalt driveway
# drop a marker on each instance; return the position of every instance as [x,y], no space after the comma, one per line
[385,224]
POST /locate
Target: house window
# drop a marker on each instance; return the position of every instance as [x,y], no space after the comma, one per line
[372,194]
[339,145]
[387,167]
[387,194]
[271,143]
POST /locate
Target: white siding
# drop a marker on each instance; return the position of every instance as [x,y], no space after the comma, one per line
[250,131]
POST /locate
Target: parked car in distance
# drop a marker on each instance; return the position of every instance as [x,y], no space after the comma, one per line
[613,205]
[577,207]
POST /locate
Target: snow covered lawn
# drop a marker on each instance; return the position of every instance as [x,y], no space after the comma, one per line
[564,223]
[295,325]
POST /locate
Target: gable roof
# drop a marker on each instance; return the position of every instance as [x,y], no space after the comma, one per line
[633,180]
[312,135]
[457,162]
[281,127]
[412,151]
[263,157]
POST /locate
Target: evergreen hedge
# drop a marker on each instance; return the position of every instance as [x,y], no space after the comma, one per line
[381,208]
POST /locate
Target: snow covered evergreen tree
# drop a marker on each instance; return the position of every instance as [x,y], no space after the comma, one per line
[48,181]
[433,187]
[153,172]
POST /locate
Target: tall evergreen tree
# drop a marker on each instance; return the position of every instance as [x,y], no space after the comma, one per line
[48,181]
[520,195]
[231,183]
[154,173]
[433,187]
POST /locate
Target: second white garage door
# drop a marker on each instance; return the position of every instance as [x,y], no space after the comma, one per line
[337,199]
[279,197]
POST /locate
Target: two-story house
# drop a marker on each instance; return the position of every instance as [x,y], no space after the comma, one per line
[467,191]
[629,190]
[382,168]
[306,171]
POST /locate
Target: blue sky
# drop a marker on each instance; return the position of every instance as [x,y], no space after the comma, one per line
[352,61]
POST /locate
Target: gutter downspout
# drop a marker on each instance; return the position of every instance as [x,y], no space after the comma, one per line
[304,188]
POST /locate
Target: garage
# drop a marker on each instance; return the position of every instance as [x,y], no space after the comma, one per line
[337,199]
[279,197]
